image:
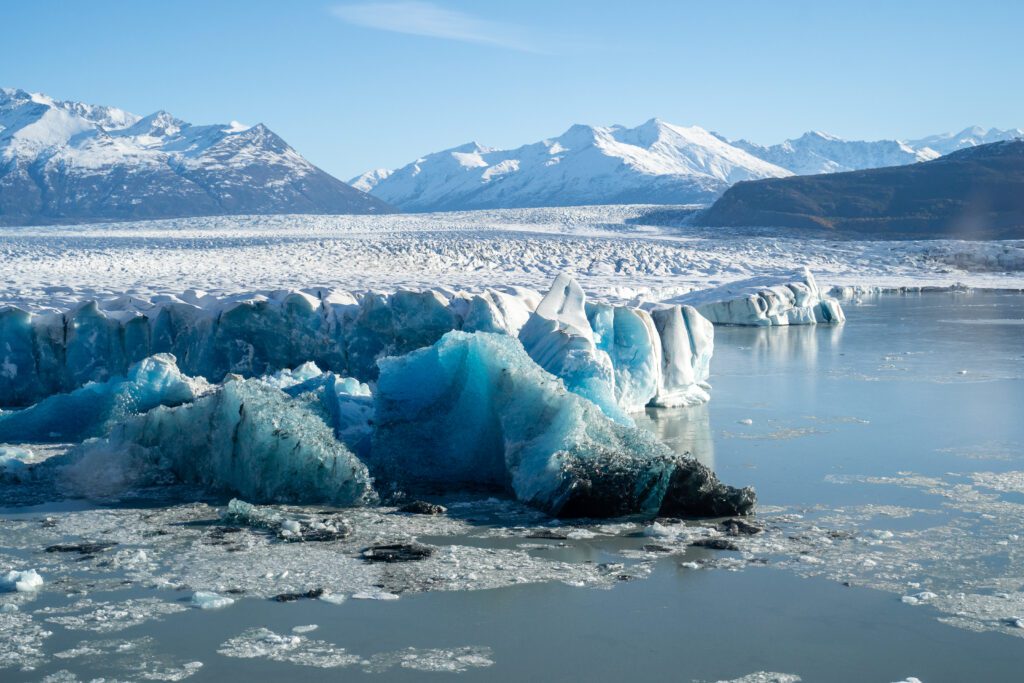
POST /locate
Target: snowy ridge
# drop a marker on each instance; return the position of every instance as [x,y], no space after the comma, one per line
[655,162]
[968,137]
[62,161]
[817,152]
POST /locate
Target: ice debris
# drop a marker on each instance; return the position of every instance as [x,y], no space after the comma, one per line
[298,649]
[14,463]
[25,581]
[787,299]
[520,430]
[210,600]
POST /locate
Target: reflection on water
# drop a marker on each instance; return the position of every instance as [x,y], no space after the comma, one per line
[685,430]
[770,348]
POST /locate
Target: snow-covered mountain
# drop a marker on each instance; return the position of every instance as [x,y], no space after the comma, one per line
[68,161]
[655,162]
[817,152]
[968,137]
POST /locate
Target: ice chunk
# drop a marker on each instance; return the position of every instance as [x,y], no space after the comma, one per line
[687,342]
[25,581]
[247,438]
[14,463]
[90,410]
[282,379]
[348,404]
[210,600]
[474,411]
[631,340]
[788,299]
[559,338]
[495,311]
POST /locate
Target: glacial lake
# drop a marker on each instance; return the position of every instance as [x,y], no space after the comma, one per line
[888,456]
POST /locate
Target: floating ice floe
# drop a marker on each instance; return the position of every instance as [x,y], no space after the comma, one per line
[211,600]
[25,581]
[518,428]
[788,299]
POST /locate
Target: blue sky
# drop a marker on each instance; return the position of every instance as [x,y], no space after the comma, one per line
[358,84]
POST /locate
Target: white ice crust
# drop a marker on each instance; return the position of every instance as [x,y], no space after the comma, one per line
[785,299]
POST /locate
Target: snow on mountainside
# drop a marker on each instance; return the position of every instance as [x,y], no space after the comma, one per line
[968,137]
[68,161]
[655,162]
[817,152]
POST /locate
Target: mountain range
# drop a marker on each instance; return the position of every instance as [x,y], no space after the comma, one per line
[72,162]
[63,162]
[654,163]
[973,193]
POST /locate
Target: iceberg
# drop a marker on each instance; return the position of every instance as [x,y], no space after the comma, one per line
[687,342]
[247,438]
[474,411]
[559,338]
[787,299]
[90,410]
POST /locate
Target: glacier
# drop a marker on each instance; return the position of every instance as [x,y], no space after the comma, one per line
[519,428]
[617,356]
[784,299]
[48,353]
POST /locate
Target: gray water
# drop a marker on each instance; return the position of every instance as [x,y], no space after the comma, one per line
[887,454]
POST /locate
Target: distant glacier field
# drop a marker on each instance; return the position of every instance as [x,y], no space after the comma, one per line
[618,253]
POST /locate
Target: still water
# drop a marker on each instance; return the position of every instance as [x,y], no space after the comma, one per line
[887,454]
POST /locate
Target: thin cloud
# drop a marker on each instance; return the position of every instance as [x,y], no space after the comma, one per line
[419,18]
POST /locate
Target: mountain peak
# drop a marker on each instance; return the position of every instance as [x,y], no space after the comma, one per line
[77,162]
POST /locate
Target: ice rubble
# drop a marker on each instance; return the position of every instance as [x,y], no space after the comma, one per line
[787,299]
[92,409]
[520,429]
[247,438]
